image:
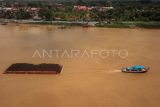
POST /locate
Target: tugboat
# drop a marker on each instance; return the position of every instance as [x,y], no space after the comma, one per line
[135,69]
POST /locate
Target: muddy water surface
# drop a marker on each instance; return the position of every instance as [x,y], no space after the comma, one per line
[84,82]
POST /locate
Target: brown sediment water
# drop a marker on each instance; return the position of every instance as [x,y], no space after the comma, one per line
[84,82]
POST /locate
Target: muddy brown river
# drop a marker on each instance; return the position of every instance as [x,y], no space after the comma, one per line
[86,81]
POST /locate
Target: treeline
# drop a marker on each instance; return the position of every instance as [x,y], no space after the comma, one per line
[143,10]
[134,12]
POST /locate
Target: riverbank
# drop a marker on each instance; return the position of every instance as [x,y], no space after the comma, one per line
[122,24]
[140,24]
[74,23]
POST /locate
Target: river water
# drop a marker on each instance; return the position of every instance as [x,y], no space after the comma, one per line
[86,80]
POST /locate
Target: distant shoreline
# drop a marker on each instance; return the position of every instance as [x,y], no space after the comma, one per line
[104,24]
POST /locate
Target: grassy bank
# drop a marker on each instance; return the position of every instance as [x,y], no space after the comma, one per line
[122,24]
[56,23]
[112,25]
[130,25]
[149,25]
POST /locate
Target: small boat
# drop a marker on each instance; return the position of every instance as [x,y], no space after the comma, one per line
[62,27]
[135,69]
[4,23]
[85,25]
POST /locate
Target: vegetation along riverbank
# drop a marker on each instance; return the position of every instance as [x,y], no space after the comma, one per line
[142,13]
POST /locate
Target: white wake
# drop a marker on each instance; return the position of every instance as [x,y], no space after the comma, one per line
[114,71]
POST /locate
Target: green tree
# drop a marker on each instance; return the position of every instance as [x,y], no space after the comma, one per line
[109,2]
[46,14]
[22,14]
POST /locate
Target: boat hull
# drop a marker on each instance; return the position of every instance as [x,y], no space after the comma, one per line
[129,71]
